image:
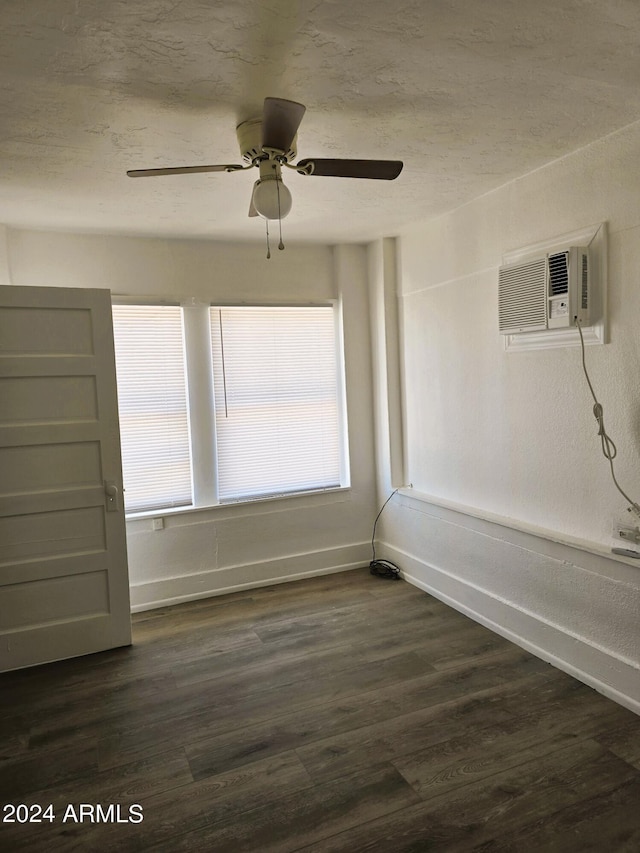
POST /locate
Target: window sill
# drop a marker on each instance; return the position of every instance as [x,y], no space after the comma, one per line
[240,503]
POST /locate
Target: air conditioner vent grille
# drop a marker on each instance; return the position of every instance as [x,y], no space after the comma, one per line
[559,274]
[585,282]
[522,296]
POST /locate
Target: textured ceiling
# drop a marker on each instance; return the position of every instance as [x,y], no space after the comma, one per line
[468,94]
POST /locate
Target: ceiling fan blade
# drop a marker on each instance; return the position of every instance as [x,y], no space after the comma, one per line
[280,122]
[379,170]
[183,170]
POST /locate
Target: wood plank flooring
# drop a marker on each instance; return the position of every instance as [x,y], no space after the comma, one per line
[342,713]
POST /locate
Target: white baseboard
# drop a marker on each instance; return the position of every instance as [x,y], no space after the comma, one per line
[165,592]
[608,673]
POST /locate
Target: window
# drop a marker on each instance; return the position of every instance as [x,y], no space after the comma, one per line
[228,403]
[154,423]
[276,400]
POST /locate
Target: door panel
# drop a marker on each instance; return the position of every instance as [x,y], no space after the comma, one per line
[64,587]
[31,329]
[51,466]
[53,600]
[47,398]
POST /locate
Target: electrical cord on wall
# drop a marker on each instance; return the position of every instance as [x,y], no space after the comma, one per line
[609,449]
[382,568]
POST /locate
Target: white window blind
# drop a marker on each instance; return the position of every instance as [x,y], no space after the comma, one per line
[276,400]
[152,402]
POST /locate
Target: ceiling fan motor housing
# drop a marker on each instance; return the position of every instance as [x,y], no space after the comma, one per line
[249,135]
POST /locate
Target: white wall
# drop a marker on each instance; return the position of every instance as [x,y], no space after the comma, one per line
[502,448]
[207,552]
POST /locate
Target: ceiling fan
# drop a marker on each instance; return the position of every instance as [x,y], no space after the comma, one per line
[269,143]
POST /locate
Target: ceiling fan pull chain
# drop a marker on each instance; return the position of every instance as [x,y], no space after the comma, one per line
[268,249]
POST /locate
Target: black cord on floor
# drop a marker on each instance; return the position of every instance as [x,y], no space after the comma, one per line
[382,568]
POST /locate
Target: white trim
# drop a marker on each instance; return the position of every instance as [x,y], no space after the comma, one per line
[200,396]
[554,338]
[550,541]
[503,575]
[608,673]
[246,503]
[176,590]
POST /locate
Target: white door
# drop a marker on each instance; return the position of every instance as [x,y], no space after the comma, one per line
[64,586]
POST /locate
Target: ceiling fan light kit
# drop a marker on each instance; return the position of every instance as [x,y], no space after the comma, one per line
[269,143]
[271,199]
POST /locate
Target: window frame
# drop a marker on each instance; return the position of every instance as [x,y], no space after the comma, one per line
[201,410]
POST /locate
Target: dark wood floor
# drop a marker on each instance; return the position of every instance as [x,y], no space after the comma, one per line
[343,713]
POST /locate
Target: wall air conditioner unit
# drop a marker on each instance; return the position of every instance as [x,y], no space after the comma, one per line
[548,292]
